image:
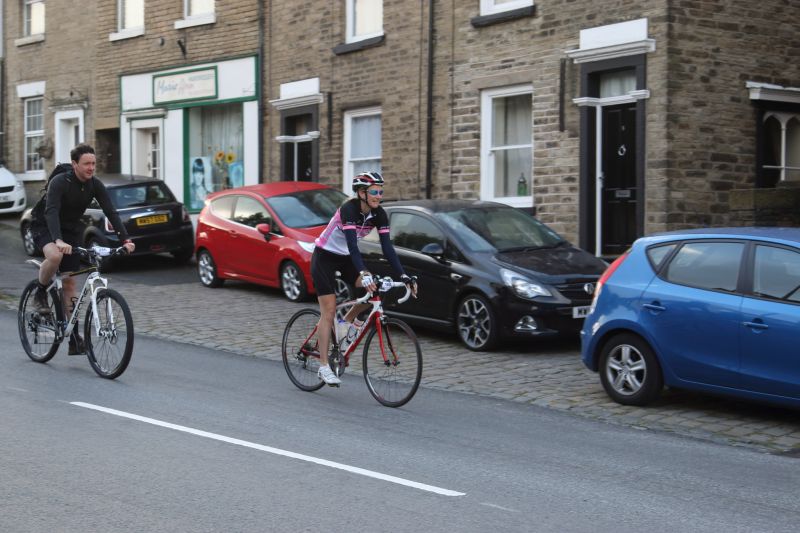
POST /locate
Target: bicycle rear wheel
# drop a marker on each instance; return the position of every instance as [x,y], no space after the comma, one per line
[109,348]
[300,352]
[392,363]
[39,333]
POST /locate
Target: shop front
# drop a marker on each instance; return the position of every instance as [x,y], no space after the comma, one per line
[195,127]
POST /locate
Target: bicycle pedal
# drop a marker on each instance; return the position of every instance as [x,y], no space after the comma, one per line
[333,385]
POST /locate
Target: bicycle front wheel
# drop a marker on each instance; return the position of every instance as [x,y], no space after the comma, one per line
[300,352]
[39,333]
[392,362]
[110,346]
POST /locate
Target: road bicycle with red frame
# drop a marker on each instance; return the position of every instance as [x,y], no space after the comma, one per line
[391,360]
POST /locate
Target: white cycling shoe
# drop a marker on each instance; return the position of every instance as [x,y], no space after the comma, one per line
[326,374]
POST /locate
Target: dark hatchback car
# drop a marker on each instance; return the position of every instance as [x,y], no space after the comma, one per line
[154,219]
[486,270]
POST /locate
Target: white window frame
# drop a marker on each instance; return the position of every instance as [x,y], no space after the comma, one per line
[487,159]
[490,7]
[124,32]
[348,168]
[200,19]
[26,17]
[351,36]
[29,134]
[783,118]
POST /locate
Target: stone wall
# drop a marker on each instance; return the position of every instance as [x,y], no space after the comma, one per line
[714,49]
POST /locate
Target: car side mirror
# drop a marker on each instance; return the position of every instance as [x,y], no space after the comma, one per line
[264,229]
[435,250]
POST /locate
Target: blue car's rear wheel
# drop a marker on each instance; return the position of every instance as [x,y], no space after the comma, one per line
[629,370]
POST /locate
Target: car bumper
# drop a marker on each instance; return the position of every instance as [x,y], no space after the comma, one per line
[12,202]
[167,241]
[525,318]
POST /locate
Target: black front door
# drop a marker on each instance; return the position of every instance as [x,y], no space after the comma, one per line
[620,193]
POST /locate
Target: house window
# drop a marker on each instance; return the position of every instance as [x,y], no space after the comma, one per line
[34,133]
[364,19]
[490,7]
[507,145]
[131,14]
[216,145]
[34,17]
[196,8]
[781,145]
[362,143]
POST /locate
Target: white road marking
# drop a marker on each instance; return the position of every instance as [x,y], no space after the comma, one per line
[276,451]
[495,506]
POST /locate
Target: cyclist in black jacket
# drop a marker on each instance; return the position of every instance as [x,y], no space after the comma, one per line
[60,228]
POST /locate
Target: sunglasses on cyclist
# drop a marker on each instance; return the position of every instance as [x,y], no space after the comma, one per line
[375,192]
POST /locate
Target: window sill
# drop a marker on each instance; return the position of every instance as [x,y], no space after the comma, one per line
[199,20]
[39,37]
[514,201]
[126,34]
[32,175]
[506,16]
[347,48]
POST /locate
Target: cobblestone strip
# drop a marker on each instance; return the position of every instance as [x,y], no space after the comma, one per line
[249,321]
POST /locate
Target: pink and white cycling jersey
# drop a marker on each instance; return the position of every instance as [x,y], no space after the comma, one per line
[349,216]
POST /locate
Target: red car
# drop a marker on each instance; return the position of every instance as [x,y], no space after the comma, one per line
[264,234]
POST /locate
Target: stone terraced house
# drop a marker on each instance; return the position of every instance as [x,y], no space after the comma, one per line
[610,119]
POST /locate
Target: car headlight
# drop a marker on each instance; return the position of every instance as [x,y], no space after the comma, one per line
[522,286]
[307,246]
[19,186]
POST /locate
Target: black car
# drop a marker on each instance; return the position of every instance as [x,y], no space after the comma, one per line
[487,270]
[155,220]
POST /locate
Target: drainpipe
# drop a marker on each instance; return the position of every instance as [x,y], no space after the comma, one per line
[429,140]
[260,92]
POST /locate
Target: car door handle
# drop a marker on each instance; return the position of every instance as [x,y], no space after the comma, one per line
[756,324]
[655,306]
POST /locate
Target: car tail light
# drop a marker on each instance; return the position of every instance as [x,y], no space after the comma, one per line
[185,214]
[607,274]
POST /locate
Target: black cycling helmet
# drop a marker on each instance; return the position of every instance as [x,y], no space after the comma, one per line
[365,179]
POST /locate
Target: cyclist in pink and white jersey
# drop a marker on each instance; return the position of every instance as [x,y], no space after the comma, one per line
[337,250]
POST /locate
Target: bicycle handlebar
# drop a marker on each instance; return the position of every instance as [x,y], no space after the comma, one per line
[101,251]
[386,284]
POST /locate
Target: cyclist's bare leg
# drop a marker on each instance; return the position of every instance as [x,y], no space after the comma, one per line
[70,292]
[327,310]
[52,258]
[356,309]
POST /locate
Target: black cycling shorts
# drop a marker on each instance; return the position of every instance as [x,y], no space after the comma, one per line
[69,263]
[325,264]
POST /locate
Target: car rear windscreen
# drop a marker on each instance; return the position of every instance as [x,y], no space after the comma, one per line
[140,195]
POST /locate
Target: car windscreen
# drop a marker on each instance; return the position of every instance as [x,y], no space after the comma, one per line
[140,194]
[486,229]
[306,209]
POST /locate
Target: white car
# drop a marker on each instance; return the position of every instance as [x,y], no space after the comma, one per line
[12,193]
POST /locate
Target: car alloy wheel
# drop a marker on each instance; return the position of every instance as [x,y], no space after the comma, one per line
[476,323]
[28,242]
[207,270]
[292,282]
[629,370]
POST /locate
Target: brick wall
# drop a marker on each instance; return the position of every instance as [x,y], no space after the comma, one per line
[715,47]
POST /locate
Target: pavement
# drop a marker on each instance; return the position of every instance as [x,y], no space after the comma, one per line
[249,320]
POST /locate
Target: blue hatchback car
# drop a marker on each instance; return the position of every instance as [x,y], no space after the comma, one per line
[715,310]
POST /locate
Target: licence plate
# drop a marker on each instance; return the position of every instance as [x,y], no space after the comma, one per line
[580,312]
[152,219]
[3,197]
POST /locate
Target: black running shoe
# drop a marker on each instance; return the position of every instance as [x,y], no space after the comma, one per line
[76,344]
[40,301]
